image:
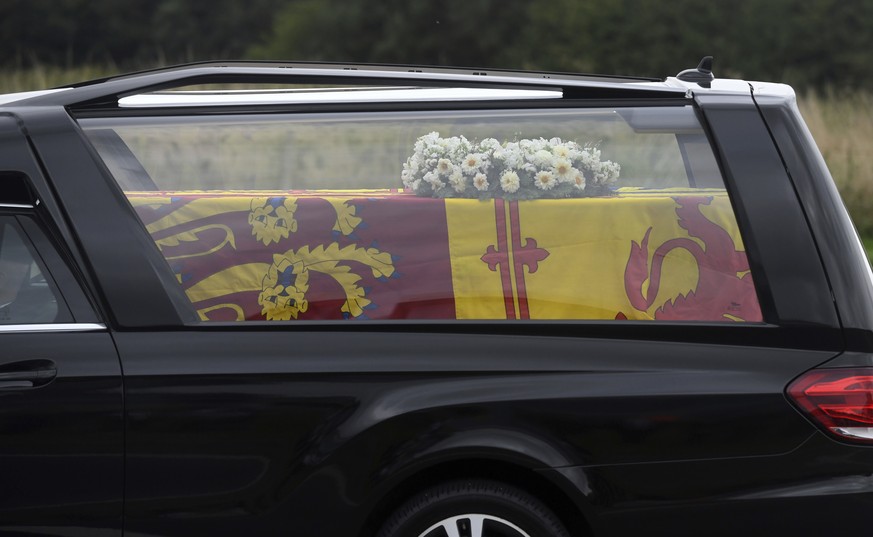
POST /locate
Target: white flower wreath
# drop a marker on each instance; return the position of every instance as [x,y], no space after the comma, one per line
[526,169]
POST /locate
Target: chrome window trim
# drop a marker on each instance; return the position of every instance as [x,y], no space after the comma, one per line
[15,206]
[54,327]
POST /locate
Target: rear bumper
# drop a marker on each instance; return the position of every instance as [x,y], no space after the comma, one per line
[820,487]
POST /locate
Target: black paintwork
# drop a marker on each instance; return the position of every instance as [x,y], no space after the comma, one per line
[841,251]
[324,428]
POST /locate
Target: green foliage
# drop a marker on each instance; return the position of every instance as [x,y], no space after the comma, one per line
[807,43]
[129,33]
[439,32]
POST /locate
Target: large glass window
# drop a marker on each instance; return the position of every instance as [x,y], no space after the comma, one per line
[607,213]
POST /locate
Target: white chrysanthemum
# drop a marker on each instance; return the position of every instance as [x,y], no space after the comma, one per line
[539,144]
[426,141]
[480,182]
[444,166]
[542,158]
[433,180]
[489,144]
[579,180]
[563,170]
[512,155]
[510,182]
[471,163]
[458,181]
[561,151]
[545,180]
[458,146]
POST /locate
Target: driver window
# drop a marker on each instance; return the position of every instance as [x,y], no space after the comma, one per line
[25,294]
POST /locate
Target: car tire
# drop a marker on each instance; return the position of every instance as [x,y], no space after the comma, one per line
[473,508]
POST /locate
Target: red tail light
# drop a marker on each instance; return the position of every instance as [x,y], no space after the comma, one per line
[840,400]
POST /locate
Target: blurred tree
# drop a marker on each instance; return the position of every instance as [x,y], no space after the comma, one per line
[132,32]
[436,32]
[804,42]
[808,43]
[187,31]
[67,31]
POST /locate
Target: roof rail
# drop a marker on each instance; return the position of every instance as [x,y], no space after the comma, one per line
[105,93]
[390,68]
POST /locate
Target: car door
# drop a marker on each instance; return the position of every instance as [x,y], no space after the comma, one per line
[61,431]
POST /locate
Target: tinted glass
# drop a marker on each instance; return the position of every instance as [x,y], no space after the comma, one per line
[522,214]
[25,294]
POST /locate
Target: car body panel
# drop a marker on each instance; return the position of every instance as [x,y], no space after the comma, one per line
[281,418]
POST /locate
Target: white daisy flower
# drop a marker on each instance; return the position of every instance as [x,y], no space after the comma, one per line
[480,182]
[458,181]
[561,151]
[444,166]
[510,182]
[545,180]
[471,163]
[563,170]
[579,180]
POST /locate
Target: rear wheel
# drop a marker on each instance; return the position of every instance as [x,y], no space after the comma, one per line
[474,508]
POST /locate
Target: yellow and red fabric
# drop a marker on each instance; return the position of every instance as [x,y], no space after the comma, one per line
[388,254]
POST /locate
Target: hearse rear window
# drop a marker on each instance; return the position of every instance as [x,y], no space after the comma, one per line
[588,214]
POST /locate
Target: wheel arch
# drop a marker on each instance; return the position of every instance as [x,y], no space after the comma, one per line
[555,495]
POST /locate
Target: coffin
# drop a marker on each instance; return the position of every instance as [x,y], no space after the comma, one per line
[388,254]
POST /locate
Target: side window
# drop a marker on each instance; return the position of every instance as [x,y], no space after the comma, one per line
[27,296]
[596,213]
